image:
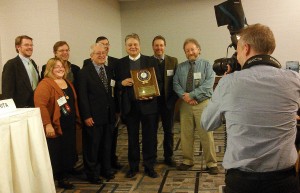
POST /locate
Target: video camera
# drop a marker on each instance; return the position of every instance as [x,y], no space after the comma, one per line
[229,13]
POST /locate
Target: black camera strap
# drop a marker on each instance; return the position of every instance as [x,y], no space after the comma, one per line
[261,60]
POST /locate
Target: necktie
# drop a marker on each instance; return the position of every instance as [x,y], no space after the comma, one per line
[190,78]
[160,60]
[33,75]
[103,78]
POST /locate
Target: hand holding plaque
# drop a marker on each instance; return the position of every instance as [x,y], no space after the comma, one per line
[145,83]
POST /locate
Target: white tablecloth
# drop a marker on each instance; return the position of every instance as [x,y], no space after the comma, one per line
[25,165]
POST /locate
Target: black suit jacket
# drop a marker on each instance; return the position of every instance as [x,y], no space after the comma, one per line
[112,62]
[170,65]
[127,93]
[94,101]
[75,70]
[16,83]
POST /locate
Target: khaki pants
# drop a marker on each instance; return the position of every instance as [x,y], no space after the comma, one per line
[190,117]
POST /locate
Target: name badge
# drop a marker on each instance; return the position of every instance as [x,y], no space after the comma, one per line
[61,101]
[112,83]
[170,72]
[197,75]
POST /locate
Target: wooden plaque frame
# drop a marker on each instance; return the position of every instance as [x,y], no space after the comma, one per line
[145,83]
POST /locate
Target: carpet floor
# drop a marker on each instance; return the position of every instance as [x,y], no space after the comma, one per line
[170,180]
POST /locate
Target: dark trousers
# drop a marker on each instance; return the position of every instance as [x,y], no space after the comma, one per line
[149,138]
[167,120]
[114,157]
[284,181]
[96,142]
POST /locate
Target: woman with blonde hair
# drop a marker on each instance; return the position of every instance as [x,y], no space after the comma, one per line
[57,100]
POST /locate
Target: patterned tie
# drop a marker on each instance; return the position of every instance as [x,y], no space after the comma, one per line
[103,78]
[33,75]
[160,60]
[190,78]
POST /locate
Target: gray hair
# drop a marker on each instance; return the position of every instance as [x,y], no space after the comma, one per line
[92,48]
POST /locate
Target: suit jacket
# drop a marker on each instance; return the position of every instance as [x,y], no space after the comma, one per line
[94,101]
[170,95]
[112,62]
[16,83]
[74,68]
[127,92]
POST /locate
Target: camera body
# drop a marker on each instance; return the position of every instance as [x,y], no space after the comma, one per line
[229,13]
[221,65]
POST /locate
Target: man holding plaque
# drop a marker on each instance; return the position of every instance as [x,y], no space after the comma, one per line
[135,75]
[193,82]
[166,101]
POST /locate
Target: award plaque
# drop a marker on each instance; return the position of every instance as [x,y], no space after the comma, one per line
[145,83]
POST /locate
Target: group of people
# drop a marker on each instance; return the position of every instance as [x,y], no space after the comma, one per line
[259,104]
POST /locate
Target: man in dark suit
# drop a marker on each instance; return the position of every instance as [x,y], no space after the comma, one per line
[96,102]
[20,75]
[166,101]
[111,62]
[136,111]
[61,50]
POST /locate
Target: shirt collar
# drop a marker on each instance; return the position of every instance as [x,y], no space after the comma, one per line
[24,59]
[163,57]
[136,58]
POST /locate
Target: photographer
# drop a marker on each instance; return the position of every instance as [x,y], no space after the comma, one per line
[259,104]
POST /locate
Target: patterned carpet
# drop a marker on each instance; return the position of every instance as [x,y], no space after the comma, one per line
[170,180]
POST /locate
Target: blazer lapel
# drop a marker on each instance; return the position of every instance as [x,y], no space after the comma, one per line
[95,75]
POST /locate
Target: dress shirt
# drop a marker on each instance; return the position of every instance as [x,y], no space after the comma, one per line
[136,58]
[97,67]
[259,105]
[162,58]
[202,88]
[25,61]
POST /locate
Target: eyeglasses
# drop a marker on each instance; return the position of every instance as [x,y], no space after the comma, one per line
[63,50]
[100,53]
[59,67]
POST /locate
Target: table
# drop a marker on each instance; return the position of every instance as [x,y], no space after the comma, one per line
[25,165]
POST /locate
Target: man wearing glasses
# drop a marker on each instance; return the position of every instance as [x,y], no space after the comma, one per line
[20,75]
[61,50]
[111,62]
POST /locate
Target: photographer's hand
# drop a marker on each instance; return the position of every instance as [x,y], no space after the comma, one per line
[228,69]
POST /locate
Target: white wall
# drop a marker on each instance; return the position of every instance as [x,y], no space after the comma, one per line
[180,19]
[48,21]
[37,19]
[81,22]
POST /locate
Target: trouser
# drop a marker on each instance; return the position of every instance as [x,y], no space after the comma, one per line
[96,149]
[167,120]
[284,181]
[114,157]
[190,116]
[149,138]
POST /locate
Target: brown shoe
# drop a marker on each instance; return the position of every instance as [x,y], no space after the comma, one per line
[213,170]
[184,167]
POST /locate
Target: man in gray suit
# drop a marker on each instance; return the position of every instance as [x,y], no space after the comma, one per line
[20,75]
[167,66]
